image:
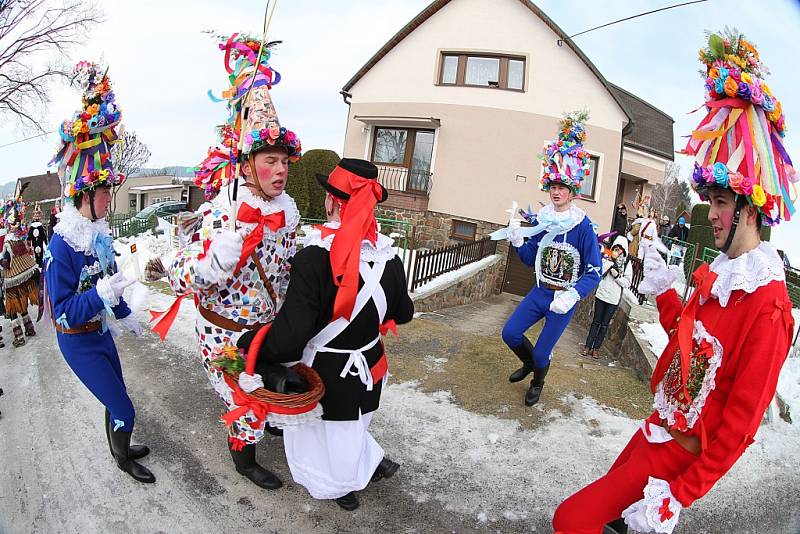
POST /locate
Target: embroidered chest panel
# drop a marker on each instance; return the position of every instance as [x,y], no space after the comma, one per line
[704,361]
[90,274]
[560,264]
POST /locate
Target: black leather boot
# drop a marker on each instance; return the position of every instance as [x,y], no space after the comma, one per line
[275,431]
[135,452]
[29,330]
[386,469]
[349,502]
[120,448]
[245,461]
[525,354]
[535,391]
[19,339]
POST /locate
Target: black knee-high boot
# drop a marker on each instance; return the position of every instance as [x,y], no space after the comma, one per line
[535,391]
[525,354]
[617,526]
[120,447]
[245,461]
[135,451]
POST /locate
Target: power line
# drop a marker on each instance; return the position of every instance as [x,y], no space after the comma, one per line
[27,139]
[561,41]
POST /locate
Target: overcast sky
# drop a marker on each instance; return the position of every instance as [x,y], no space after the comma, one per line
[161,66]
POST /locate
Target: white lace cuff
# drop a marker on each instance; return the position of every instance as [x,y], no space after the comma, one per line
[658,281]
[662,509]
[105,292]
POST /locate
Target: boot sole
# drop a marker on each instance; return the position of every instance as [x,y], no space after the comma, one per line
[348,506]
[269,486]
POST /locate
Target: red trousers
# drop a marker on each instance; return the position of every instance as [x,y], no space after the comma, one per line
[603,501]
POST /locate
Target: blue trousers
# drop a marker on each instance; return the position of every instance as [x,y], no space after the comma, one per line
[94,359]
[534,307]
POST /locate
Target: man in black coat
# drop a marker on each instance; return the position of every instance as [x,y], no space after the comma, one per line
[680,230]
[347,287]
[620,224]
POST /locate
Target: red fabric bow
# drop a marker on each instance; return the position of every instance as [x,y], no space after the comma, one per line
[249,214]
[665,513]
[704,279]
[358,223]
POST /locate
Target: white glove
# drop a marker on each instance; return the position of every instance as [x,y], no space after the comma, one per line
[658,278]
[250,383]
[514,236]
[132,324]
[563,301]
[221,258]
[110,288]
[658,511]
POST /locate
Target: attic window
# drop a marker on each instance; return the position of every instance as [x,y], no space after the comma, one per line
[485,70]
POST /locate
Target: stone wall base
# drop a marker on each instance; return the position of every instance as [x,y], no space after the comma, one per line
[475,287]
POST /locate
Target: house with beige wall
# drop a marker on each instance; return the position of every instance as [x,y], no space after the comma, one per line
[139,191]
[455,119]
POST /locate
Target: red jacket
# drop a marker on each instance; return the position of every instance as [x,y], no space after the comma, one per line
[743,344]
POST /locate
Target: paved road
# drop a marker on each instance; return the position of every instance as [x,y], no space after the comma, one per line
[462,471]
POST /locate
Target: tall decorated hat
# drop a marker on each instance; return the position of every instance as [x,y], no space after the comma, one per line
[12,212]
[565,161]
[253,123]
[739,143]
[84,157]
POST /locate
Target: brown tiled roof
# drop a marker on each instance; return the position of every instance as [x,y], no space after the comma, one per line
[652,129]
[42,187]
[436,5]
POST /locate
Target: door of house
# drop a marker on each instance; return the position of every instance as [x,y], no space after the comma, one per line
[519,278]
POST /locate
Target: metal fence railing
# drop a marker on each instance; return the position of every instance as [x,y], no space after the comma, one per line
[680,253]
[428,264]
[126,225]
[404,179]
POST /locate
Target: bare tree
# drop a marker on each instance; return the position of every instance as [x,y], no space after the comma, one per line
[35,36]
[128,155]
[668,194]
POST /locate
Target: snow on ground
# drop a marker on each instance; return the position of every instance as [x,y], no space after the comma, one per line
[654,335]
[789,387]
[148,246]
[489,462]
[182,334]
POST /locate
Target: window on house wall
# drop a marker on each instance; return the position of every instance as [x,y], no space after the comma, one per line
[408,149]
[486,70]
[463,230]
[588,188]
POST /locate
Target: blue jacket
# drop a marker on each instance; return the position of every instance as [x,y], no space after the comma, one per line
[578,247]
[71,277]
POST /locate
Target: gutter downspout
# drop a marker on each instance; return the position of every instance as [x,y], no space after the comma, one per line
[626,130]
[345,98]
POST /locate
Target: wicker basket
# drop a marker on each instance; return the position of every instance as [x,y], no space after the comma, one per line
[291,401]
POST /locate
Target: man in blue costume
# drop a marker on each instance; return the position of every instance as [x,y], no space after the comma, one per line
[562,247]
[82,282]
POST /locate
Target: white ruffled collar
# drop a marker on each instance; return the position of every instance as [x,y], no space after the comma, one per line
[572,217]
[382,251]
[282,202]
[78,231]
[751,270]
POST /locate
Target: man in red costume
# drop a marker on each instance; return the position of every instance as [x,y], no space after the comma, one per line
[718,373]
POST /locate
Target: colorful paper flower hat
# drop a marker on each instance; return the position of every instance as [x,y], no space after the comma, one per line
[739,144]
[259,126]
[84,159]
[12,212]
[565,161]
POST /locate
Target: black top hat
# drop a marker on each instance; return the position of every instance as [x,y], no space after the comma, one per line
[359,167]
